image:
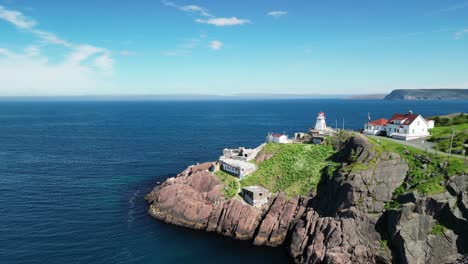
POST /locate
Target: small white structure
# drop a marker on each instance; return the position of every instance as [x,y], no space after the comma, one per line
[320,124]
[375,127]
[241,153]
[256,195]
[430,124]
[408,126]
[237,168]
[277,138]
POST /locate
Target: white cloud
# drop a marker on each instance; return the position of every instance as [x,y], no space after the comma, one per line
[51,38]
[221,21]
[16,18]
[32,51]
[80,52]
[5,52]
[84,68]
[23,74]
[197,10]
[216,45]
[460,34]
[211,19]
[277,14]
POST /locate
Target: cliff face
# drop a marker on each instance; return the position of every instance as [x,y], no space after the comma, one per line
[427,94]
[346,221]
[194,199]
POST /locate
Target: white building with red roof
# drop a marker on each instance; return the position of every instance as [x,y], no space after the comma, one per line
[375,127]
[408,126]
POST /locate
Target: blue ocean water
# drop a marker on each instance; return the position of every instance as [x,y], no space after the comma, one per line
[73,175]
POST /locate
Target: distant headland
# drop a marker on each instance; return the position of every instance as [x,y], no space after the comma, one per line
[427,94]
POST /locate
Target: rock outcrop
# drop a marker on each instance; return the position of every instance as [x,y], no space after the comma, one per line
[346,221]
[186,200]
[279,220]
[194,199]
[414,241]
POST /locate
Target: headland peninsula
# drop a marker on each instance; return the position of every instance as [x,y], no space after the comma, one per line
[334,196]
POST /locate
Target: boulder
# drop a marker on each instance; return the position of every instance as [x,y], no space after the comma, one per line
[187,200]
[413,239]
[351,238]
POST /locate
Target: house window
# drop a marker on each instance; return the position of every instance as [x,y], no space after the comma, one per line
[419,123]
[413,131]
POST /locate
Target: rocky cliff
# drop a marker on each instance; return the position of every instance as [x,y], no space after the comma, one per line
[348,220]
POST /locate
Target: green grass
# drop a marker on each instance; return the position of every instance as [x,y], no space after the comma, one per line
[295,169]
[442,133]
[449,121]
[230,182]
[392,205]
[446,131]
[438,229]
[425,181]
[384,244]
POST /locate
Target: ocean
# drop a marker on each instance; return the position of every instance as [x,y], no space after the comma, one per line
[73,175]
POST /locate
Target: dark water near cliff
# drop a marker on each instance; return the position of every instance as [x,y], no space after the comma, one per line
[73,174]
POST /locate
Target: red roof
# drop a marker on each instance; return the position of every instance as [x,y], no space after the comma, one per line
[277,135]
[409,118]
[378,122]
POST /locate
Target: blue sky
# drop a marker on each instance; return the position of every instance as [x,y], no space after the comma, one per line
[97,47]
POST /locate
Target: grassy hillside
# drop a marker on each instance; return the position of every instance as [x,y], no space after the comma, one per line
[426,171]
[230,182]
[295,169]
[442,133]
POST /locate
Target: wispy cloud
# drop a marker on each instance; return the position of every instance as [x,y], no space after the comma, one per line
[81,72]
[194,9]
[460,34]
[79,52]
[44,78]
[216,45]
[222,22]
[277,14]
[16,18]
[51,38]
[209,18]
[185,47]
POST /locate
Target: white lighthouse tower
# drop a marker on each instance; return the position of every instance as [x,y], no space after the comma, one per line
[320,125]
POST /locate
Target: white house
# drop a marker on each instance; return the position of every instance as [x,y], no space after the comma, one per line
[375,127]
[277,138]
[408,126]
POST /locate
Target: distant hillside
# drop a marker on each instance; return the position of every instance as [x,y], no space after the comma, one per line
[427,94]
